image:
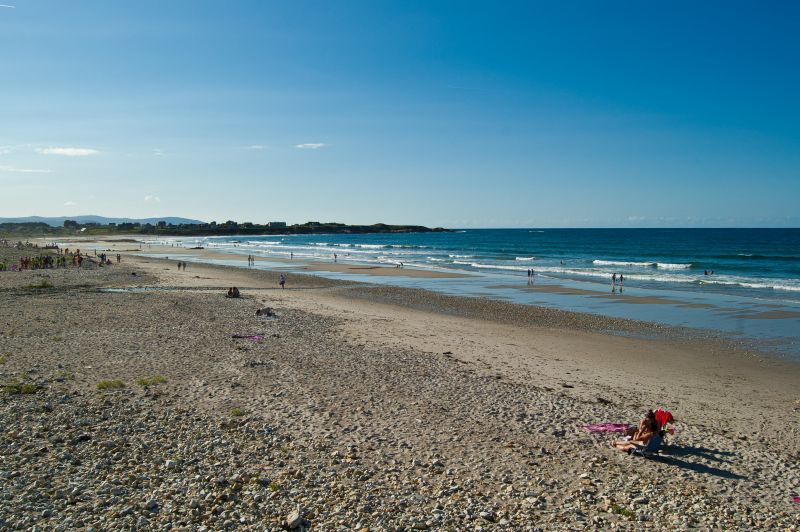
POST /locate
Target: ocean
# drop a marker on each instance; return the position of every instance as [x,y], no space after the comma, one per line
[744,282]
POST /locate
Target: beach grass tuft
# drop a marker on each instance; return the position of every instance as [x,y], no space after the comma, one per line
[152,381]
[17,387]
[4,358]
[110,385]
[274,486]
[237,412]
[619,510]
[44,284]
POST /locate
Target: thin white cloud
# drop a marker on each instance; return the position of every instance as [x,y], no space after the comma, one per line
[255,147]
[158,152]
[151,198]
[8,6]
[5,150]
[69,204]
[68,152]
[16,170]
[311,145]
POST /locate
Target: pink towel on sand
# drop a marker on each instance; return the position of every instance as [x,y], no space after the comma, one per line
[248,336]
[796,499]
[606,427]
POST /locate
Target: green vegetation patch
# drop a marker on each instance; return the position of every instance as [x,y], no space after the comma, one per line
[110,385]
[237,412]
[152,381]
[619,510]
[17,387]
[44,284]
[4,358]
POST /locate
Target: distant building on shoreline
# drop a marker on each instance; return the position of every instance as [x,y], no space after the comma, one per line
[276,224]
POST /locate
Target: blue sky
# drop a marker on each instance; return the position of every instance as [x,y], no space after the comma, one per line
[459,114]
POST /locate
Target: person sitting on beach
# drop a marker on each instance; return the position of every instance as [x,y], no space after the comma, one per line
[647,438]
[636,432]
[233,292]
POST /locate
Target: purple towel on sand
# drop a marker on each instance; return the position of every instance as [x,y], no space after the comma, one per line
[606,427]
[248,336]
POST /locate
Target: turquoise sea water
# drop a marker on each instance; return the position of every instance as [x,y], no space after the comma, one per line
[753,292]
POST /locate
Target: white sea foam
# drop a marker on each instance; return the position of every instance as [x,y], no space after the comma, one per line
[768,284]
[492,266]
[622,263]
[454,256]
[525,258]
[670,266]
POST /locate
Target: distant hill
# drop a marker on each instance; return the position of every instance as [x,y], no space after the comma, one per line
[58,221]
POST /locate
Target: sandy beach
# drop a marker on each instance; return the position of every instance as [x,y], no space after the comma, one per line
[369,408]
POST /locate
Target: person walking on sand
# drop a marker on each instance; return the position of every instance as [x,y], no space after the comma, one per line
[282,281]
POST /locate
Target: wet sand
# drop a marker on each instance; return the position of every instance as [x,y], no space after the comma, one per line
[620,297]
[342,266]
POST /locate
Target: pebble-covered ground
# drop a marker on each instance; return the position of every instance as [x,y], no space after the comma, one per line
[242,433]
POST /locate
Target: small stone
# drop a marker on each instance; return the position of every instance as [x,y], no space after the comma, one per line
[294,519]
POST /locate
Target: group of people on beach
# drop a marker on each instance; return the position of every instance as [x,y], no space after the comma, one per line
[531,275]
[182,265]
[615,280]
[251,261]
[105,260]
[62,258]
[40,262]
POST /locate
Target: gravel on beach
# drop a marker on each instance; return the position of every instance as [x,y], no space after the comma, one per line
[307,428]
